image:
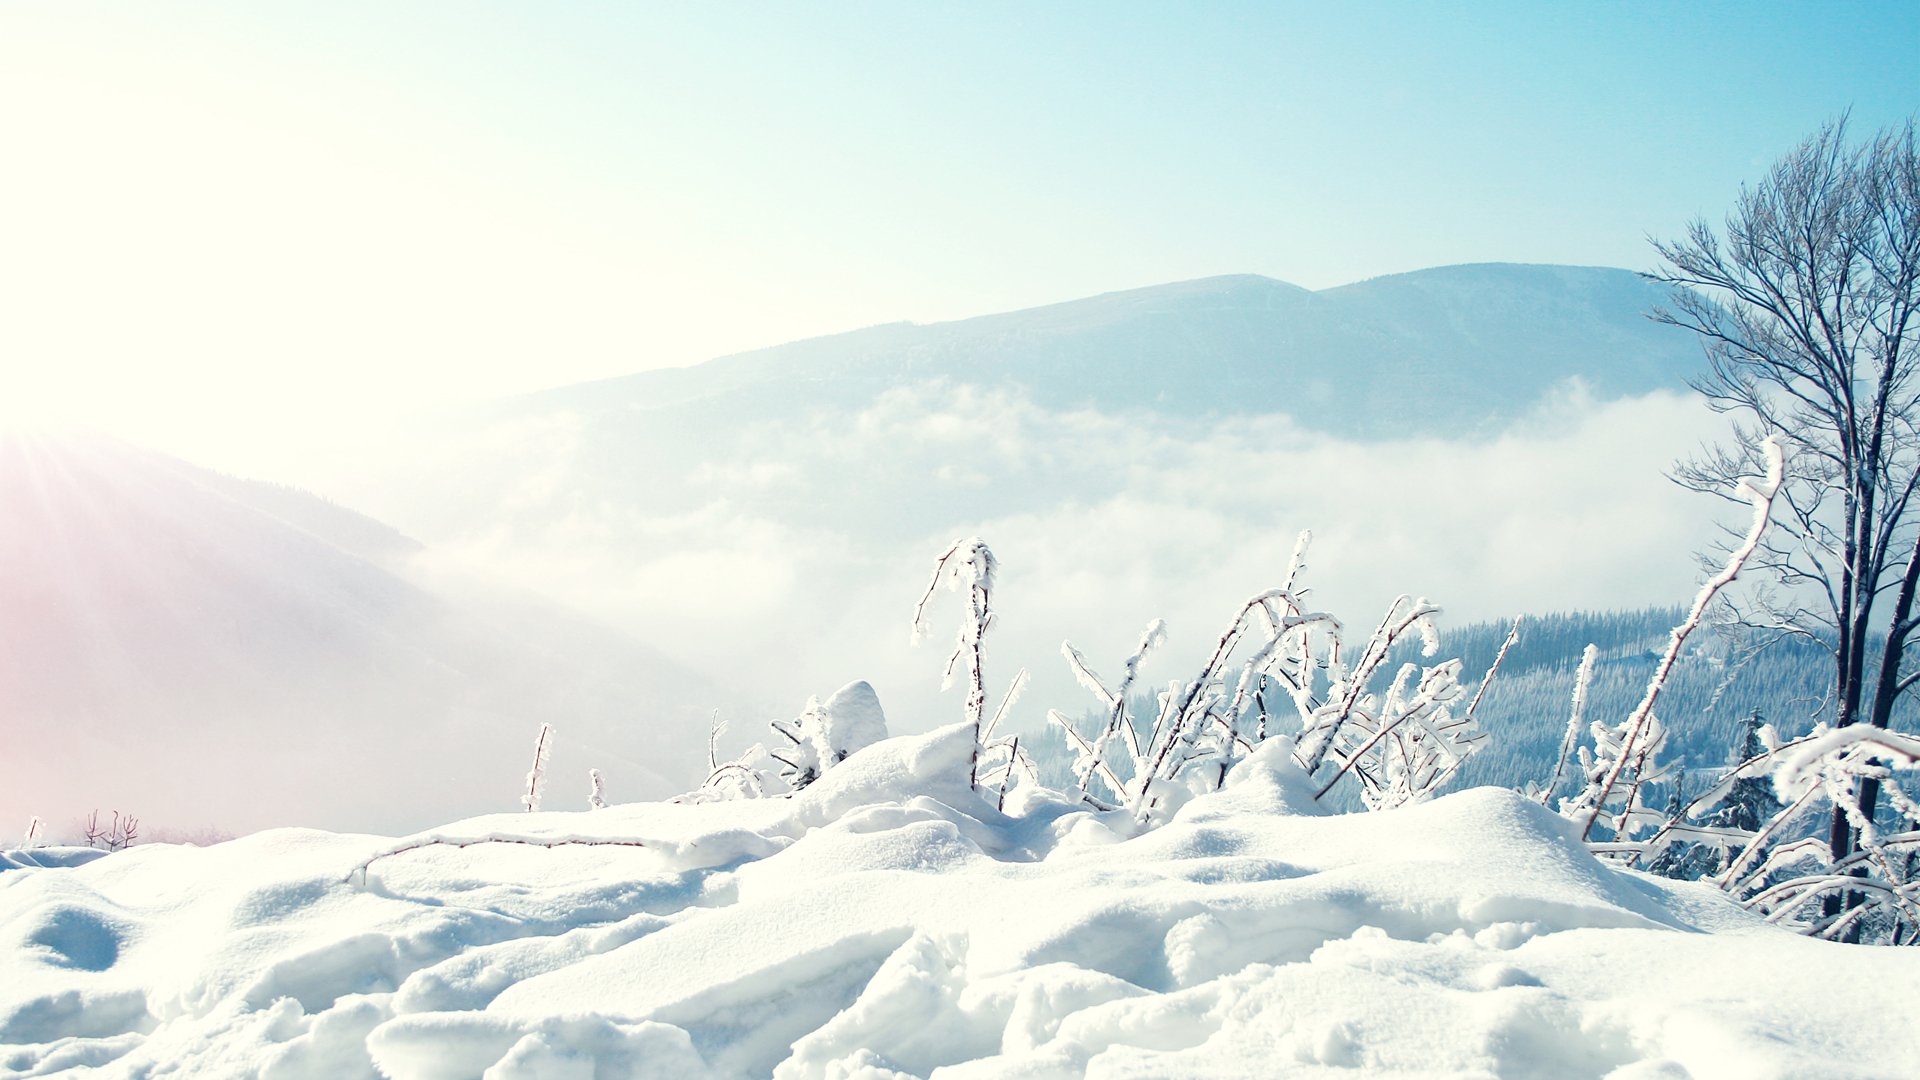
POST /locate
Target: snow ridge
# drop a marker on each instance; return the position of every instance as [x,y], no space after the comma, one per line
[888,921]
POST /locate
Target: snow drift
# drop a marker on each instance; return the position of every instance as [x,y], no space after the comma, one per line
[886,921]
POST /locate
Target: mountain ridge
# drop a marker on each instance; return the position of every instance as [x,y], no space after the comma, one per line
[1459,344]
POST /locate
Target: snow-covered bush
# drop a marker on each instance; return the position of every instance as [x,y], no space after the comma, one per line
[1399,740]
[1780,865]
[1399,743]
[822,736]
[117,834]
[1772,856]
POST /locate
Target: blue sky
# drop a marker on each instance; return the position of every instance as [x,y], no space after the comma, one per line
[227,211]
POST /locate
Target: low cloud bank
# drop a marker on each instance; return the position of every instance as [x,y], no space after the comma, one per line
[789,560]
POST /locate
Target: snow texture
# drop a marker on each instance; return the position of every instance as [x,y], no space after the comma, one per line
[887,921]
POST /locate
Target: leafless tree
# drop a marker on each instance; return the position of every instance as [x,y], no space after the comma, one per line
[1805,301]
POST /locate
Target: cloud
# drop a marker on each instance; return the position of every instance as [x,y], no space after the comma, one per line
[793,563]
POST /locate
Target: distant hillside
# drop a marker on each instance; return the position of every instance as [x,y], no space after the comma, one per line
[1526,709]
[1703,704]
[201,650]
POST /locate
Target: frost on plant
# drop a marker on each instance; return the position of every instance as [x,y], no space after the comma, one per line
[116,834]
[1576,720]
[805,747]
[537,775]
[1624,759]
[968,566]
[1399,743]
[825,734]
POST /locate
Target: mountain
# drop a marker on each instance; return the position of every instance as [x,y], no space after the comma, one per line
[1453,352]
[205,651]
[1452,347]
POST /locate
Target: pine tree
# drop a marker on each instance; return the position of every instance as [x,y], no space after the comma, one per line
[1750,803]
[1682,859]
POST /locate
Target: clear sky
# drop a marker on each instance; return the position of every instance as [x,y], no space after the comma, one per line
[222,223]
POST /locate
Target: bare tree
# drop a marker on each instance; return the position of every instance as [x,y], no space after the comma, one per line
[1805,301]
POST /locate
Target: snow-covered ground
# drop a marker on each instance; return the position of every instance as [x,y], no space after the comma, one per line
[886,921]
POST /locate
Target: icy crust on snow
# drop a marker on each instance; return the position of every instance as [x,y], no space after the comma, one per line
[887,922]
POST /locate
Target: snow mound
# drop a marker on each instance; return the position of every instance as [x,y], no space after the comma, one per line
[887,922]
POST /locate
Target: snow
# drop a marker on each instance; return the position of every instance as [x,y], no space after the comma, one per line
[886,922]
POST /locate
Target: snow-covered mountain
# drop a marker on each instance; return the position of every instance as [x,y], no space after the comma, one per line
[206,651]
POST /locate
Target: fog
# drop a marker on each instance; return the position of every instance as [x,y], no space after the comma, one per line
[791,566]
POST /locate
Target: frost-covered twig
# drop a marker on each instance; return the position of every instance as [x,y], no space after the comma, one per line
[1007,702]
[1582,681]
[1016,759]
[968,564]
[1760,496]
[116,836]
[1402,748]
[437,840]
[1087,757]
[1183,713]
[1119,713]
[537,775]
[1493,670]
[714,730]
[1404,614]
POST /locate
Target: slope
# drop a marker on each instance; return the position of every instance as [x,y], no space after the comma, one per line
[888,923]
[206,651]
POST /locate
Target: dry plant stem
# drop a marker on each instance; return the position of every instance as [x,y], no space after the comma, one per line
[117,836]
[976,571]
[1013,755]
[1007,700]
[535,775]
[1087,752]
[526,840]
[1119,718]
[976,679]
[1371,657]
[1168,727]
[753,779]
[1761,498]
[1513,635]
[1360,753]
[1582,683]
[713,743]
